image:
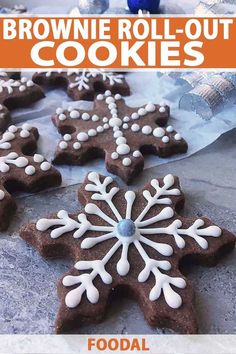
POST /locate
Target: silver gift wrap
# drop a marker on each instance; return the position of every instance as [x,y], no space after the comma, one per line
[230,77]
[210,96]
[93,6]
[203,99]
[213,7]
[192,79]
[17,9]
[225,88]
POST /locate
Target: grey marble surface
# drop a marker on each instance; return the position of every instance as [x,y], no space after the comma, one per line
[28,299]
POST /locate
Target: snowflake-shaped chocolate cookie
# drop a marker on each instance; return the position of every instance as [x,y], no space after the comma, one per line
[83,84]
[21,171]
[15,94]
[120,133]
[129,241]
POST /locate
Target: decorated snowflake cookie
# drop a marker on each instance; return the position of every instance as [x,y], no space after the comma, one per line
[131,242]
[15,94]
[83,84]
[21,171]
[119,132]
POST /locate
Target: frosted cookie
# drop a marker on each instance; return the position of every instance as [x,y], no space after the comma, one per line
[21,169]
[83,84]
[128,242]
[15,94]
[119,133]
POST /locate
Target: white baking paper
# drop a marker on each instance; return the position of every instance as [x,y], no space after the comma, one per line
[145,87]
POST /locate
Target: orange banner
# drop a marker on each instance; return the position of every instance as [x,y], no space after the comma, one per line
[117,42]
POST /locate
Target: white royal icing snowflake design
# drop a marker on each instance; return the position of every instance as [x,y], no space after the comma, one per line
[126,231]
[82,77]
[119,124]
[13,158]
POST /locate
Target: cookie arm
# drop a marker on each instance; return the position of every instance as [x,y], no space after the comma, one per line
[203,241]
[46,245]
[70,319]
[159,314]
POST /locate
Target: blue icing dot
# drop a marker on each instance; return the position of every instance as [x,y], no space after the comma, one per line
[126,228]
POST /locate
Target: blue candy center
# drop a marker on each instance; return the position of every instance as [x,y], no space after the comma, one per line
[126,228]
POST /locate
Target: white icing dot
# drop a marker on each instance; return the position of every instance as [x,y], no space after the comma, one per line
[100,129]
[70,109]
[165,139]
[85,116]
[30,170]
[67,137]
[62,116]
[92,132]
[137,153]
[82,136]
[123,149]
[12,129]
[23,79]
[115,122]
[105,120]
[126,119]
[178,137]
[114,156]
[38,158]
[162,109]
[106,126]
[45,166]
[1,106]
[126,161]
[59,110]
[95,118]
[146,129]
[22,88]
[121,140]
[76,146]
[26,126]
[118,96]
[74,114]
[110,100]
[108,93]
[2,194]
[22,161]
[4,168]
[150,107]
[114,112]
[24,134]
[29,83]
[125,126]
[117,134]
[158,132]
[135,115]
[100,97]
[63,145]
[112,105]
[142,111]
[115,128]
[170,129]
[135,127]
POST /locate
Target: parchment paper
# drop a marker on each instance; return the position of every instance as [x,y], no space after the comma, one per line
[195,130]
